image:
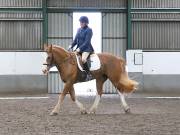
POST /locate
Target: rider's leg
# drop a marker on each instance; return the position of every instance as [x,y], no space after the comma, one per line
[84,60]
[85,55]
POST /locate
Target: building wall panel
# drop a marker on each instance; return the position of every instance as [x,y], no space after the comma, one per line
[20,3]
[155,4]
[20,35]
[156,31]
[87,3]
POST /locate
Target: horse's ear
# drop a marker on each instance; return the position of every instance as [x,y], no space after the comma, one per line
[45,47]
[50,48]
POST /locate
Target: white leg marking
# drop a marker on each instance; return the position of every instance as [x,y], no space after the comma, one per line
[95,104]
[125,106]
[56,109]
[80,105]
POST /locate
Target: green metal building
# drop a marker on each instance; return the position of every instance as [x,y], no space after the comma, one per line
[129,27]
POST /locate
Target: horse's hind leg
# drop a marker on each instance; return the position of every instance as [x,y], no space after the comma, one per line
[95,104]
[79,104]
[56,109]
[123,101]
[99,85]
[122,97]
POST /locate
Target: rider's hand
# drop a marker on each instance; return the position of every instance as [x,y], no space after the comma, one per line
[78,50]
[70,49]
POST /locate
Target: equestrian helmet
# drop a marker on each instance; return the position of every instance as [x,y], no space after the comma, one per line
[84,19]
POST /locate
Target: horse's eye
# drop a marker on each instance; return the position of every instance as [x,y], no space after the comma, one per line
[48,57]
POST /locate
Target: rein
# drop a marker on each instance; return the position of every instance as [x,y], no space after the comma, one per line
[66,59]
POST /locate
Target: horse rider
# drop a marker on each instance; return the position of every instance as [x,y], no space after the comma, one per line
[83,42]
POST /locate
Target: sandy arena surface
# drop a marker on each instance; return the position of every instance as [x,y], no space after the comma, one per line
[148,117]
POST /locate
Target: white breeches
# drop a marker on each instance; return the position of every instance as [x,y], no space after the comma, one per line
[85,56]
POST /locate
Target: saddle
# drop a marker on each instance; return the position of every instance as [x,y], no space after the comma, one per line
[93,63]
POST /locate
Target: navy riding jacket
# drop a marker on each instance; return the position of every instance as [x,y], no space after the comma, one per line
[83,40]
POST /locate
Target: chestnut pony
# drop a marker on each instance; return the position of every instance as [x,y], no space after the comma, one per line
[112,68]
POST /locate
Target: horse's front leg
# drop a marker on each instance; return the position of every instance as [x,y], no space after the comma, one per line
[56,109]
[79,104]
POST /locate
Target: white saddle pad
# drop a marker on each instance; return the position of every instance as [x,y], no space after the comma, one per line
[95,62]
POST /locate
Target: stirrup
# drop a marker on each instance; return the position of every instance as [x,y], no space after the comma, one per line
[88,77]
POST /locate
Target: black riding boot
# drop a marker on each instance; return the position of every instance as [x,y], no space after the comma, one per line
[86,68]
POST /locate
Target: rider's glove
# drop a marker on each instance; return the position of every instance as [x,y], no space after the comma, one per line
[70,49]
[78,50]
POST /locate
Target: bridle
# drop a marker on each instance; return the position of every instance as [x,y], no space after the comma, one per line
[50,65]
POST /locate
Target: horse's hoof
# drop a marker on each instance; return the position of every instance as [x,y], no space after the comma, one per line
[127,110]
[92,112]
[83,112]
[53,113]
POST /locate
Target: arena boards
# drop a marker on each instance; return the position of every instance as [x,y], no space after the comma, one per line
[2,98]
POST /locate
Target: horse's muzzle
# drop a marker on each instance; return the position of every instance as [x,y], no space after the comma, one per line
[45,70]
